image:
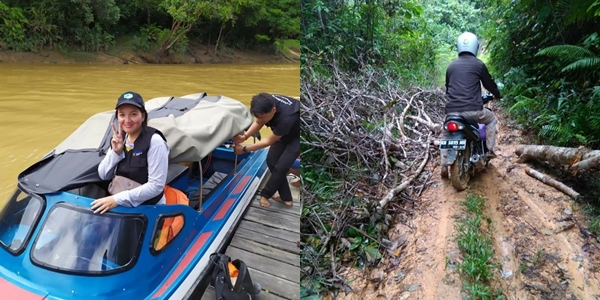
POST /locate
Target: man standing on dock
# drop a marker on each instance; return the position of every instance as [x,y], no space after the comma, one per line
[282,115]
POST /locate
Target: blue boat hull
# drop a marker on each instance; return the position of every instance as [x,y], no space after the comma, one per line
[172,273]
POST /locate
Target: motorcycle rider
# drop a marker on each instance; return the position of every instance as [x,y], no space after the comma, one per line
[464,77]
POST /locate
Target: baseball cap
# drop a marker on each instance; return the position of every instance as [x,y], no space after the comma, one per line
[131,98]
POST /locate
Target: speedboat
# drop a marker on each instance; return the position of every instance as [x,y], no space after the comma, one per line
[53,246]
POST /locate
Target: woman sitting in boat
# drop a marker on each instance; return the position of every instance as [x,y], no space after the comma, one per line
[282,114]
[139,156]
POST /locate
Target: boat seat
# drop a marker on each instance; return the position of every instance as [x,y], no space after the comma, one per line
[175,170]
[175,178]
[207,187]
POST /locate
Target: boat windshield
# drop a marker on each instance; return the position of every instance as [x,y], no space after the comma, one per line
[73,239]
[18,217]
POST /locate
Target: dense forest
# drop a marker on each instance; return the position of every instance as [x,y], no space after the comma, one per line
[544,55]
[159,27]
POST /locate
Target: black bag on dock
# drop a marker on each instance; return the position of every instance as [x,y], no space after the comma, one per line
[222,281]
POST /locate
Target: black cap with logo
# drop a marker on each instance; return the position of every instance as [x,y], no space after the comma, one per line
[131,98]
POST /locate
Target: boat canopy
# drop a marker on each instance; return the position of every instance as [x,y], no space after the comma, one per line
[194,125]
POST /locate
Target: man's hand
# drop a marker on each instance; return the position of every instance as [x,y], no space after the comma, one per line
[240,138]
[103,205]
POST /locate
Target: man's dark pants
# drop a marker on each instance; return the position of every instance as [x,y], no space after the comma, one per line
[280,158]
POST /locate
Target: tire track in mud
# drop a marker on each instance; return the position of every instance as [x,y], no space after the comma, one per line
[534,261]
[545,263]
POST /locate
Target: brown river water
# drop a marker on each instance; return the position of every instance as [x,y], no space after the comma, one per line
[40,104]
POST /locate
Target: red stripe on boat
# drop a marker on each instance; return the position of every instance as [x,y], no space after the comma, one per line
[224,209]
[241,185]
[184,263]
[11,291]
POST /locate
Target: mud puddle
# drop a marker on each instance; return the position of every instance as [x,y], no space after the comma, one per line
[539,247]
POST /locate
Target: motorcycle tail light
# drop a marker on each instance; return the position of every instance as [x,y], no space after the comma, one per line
[451,126]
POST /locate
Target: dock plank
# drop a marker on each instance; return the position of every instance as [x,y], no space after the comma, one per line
[266,250]
[278,207]
[284,221]
[275,286]
[271,231]
[264,264]
[209,294]
[290,244]
[266,240]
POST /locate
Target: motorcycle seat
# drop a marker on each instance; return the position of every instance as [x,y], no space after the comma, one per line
[462,119]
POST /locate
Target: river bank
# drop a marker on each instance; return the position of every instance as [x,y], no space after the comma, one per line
[198,54]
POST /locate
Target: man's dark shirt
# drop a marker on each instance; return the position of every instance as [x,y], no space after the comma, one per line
[463,87]
[286,121]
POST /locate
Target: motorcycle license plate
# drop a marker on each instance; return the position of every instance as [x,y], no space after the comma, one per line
[453,144]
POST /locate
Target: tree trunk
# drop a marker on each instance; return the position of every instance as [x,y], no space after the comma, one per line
[558,155]
[148,12]
[586,164]
[218,39]
[163,50]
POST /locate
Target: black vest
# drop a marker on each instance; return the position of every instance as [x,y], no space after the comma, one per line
[135,164]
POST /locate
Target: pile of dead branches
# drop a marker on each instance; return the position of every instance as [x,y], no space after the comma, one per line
[376,139]
[361,123]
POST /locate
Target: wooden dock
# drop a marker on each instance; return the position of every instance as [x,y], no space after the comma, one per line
[267,240]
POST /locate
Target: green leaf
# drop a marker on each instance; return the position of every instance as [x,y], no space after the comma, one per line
[372,253]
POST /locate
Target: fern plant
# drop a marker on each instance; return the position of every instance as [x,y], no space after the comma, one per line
[559,134]
[579,58]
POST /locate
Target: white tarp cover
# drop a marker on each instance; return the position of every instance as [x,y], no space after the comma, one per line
[190,136]
[194,126]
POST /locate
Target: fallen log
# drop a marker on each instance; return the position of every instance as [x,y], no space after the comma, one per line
[559,155]
[586,164]
[552,182]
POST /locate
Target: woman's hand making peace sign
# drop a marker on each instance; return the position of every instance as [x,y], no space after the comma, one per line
[117,140]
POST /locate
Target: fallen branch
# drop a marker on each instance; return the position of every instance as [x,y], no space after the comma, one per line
[393,192]
[436,128]
[552,182]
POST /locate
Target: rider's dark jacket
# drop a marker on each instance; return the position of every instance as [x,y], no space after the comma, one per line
[463,87]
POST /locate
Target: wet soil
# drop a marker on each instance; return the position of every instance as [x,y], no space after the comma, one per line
[539,236]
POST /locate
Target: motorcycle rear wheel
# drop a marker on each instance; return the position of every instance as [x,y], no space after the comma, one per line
[459,170]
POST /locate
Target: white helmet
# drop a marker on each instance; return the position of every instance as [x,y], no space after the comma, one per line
[467,42]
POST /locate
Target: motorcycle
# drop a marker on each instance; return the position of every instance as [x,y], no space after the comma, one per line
[466,148]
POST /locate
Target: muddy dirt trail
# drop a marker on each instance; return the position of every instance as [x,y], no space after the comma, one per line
[540,249]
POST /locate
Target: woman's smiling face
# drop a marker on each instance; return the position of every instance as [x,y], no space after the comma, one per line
[130,118]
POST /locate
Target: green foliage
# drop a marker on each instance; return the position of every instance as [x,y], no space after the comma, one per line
[394,36]
[12,27]
[148,37]
[579,58]
[30,25]
[448,19]
[549,55]
[475,244]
